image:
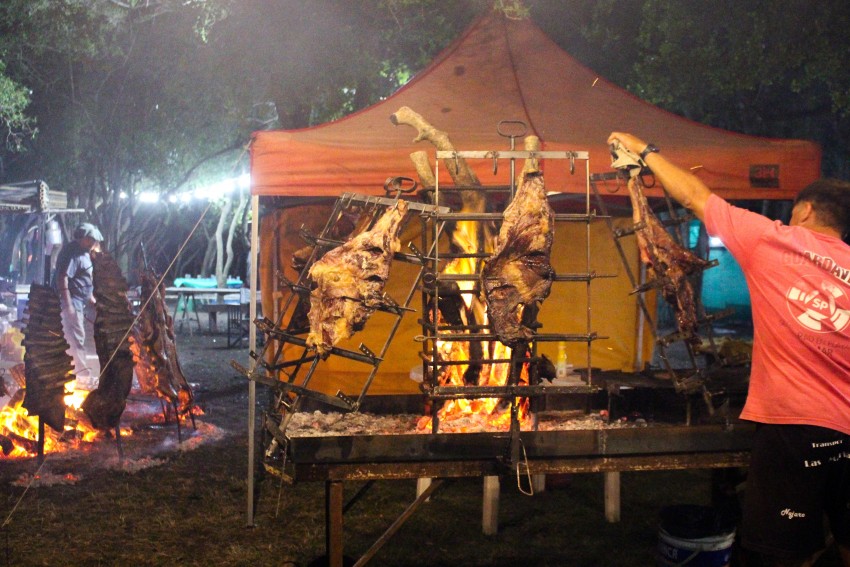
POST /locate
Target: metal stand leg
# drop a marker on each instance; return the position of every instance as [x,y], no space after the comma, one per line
[179,429]
[333,522]
[40,441]
[118,444]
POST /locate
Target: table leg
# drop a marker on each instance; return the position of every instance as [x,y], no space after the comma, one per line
[333,522]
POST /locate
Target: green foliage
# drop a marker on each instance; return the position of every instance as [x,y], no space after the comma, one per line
[753,66]
[14,122]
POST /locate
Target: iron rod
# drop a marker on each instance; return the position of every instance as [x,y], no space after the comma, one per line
[394,527]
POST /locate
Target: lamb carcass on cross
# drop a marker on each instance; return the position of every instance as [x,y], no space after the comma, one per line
[519,274]
[666,261]
[349,281]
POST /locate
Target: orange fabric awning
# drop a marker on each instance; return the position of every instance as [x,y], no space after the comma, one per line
[503,69]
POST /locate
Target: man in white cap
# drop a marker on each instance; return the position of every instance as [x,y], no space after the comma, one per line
[74,284]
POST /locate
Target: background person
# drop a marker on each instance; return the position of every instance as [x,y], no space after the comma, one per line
[73,281]
[799,392]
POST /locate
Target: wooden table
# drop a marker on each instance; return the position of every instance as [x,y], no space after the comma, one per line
[336,459]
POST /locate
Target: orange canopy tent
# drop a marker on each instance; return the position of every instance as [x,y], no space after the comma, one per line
[503,69]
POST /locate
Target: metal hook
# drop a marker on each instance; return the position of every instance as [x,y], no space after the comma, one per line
[524,465]
[572,163]
[396,185]
[495,156]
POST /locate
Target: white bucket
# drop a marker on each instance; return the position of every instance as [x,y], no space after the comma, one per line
[711,551]
[695,536]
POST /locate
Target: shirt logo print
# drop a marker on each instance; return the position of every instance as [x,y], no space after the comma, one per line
[815,304]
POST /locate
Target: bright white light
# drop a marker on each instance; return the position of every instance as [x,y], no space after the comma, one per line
[715,242]
[148,197]
[214,191]
[122,195]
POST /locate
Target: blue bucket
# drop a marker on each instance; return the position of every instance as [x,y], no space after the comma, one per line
[694,536]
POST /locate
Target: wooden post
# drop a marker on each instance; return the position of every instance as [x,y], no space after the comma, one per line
[538,483]
[252,343]
[333,522]
[422,485]
[612,496]
[490,506]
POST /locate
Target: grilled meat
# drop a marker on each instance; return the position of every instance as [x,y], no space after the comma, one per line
[154,348]
[349,281]
[104,405]
[519,274]
[47,365]
[350,221]
[667,262]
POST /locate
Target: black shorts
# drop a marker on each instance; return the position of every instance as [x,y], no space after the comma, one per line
[799,474]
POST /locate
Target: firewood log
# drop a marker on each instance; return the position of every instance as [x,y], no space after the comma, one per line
[459,170]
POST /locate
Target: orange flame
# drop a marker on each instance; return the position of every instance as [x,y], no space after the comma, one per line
[22,429]
[465,237]
[488,412]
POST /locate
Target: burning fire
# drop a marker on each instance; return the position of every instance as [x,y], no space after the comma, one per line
[19,430]
[465,237]
[487,412]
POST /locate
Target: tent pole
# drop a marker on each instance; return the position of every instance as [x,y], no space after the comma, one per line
[252,345]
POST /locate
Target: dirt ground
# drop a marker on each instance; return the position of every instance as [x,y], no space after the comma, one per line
[184,503]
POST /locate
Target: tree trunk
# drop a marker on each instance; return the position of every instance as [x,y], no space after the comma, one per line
[220,276]
[209,254]
[234,224]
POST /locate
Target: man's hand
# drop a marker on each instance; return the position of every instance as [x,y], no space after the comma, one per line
[681,184]
[631,143]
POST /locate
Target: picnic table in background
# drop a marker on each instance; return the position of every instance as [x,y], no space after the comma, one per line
[195,295]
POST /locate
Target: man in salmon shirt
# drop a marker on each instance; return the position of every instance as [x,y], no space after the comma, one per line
[799,393]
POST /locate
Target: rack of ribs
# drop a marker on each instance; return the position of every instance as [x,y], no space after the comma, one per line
[154,348]
[519,274]
[348,281]
[668,264]
[113,320]
[47,367]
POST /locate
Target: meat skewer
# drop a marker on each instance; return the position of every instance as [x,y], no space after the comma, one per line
[104,405]
[349,281]
[519,274]
[667,262]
